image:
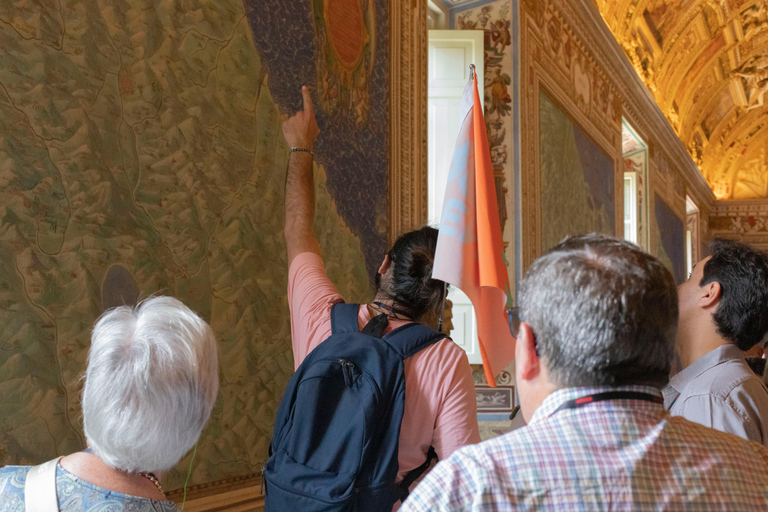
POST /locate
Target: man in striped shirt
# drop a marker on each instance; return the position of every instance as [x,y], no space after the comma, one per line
[594,349]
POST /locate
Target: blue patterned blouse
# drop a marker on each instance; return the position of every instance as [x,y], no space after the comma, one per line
[75,495]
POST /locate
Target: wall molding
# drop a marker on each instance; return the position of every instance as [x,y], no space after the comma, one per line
[242,494]
[407,183]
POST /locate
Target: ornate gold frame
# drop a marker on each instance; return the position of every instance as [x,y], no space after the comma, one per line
[407,184]
[541,71]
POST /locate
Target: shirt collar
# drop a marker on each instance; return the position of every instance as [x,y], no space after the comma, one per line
[559,397]
[720,355]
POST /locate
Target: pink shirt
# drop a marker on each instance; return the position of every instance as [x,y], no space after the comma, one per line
[440,407]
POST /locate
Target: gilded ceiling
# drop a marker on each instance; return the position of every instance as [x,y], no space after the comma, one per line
[706,64]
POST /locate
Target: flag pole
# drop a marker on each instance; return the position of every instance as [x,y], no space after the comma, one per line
[442,308]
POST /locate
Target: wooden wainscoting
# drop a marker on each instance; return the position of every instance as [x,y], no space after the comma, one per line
[238,495]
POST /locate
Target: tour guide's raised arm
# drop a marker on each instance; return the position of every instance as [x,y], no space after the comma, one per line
[336,445]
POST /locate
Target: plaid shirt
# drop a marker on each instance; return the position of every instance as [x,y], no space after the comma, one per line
[610,455]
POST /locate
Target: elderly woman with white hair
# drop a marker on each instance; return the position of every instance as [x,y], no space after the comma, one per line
[150,385]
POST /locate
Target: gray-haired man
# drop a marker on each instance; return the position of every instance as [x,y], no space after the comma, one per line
[594,348]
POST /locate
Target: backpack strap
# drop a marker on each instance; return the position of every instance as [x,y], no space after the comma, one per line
[375,327]
[40,488]
[344,318]
[413,475]
[411,338]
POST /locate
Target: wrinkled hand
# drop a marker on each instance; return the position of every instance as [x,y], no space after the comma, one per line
[300,130]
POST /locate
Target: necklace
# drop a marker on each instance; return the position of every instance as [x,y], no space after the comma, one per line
[391,311]
[154,480]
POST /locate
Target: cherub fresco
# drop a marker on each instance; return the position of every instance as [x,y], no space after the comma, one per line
[484,17]
[500,35]
[500,98]
[465,23]
[499,156]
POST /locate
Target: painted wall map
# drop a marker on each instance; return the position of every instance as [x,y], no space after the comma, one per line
[141,153]
[670,239]
[339,48]
[577,179]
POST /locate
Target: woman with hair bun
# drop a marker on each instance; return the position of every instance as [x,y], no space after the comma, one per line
[150,385]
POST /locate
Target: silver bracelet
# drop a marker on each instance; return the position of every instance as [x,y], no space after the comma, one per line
[303,150]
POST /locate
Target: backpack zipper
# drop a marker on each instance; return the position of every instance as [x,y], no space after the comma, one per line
[346,369]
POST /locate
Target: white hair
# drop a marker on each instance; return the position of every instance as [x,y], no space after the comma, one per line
[151,382]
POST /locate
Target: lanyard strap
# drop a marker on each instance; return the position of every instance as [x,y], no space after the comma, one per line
[609,395]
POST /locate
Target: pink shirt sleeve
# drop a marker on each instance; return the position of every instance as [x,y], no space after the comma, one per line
[456,423]
[310,298]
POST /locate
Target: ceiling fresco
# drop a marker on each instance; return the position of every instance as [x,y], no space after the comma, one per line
[706,64]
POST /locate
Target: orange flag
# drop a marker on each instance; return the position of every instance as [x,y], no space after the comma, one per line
[469,247]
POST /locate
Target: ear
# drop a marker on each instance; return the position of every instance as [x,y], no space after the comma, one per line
[385,265]
[527,363]
[711,294]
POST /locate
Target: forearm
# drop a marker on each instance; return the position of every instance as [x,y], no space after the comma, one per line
[300,206]
[300,131]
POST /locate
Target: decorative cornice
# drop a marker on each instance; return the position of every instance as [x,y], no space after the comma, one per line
[731,208]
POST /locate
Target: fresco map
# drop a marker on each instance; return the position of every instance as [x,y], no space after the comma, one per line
[141,153]
[670,239]
[577,179]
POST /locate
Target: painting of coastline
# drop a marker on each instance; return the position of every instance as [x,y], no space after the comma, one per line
[670,239]
[577,179]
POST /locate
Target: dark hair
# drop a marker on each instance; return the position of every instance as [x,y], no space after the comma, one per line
[757,365]
[603,311]
[741,316]
[411,285]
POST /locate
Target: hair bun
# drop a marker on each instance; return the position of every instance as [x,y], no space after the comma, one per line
[413,258]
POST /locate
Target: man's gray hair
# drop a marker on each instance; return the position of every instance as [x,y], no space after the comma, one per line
[603,312]
[151,382]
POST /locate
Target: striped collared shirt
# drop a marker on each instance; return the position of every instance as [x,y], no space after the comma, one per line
[610,455]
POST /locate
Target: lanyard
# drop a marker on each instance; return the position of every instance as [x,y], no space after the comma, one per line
[609,395]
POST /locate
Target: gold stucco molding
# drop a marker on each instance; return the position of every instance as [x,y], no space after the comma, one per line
[637,103]
[612,90]
[407,183]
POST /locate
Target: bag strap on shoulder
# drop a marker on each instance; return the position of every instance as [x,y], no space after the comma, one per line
[40,488]
[411,338]
[406,340]
[344,318]
[413,475]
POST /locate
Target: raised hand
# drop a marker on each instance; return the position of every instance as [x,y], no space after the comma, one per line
[300,130]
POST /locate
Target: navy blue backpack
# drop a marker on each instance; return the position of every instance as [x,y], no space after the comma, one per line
[337,430]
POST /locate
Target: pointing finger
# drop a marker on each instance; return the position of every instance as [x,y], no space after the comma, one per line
[307,99]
